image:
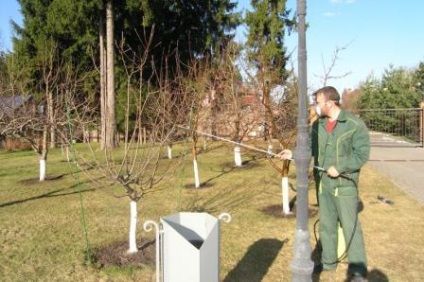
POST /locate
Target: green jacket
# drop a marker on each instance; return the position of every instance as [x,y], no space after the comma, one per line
[347,148]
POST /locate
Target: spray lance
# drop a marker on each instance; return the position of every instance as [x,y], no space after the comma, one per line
[246,146]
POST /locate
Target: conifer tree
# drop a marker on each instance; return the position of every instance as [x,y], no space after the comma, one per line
[267,24]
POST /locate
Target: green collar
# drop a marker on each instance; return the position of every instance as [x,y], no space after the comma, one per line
[342,117]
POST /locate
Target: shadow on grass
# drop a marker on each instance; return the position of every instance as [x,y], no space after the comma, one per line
[207,183]
[227,167]
[376,275]
[55,193]
[35,181]
[256,262]
[203,185]
[316,258]
[223,172]
[223,200]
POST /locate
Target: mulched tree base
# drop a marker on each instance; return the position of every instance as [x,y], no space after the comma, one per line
[277,211]
[116,255]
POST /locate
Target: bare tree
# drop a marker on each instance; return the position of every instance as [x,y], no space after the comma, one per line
[135,169]
[238,112]
[50,66]
[28,125]
[328,70]
[27,119]
[196,95]
[195,86]
[279,123]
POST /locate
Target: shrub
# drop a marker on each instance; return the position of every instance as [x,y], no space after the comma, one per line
[14,144]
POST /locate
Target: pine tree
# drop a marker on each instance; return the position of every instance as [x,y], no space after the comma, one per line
[267,24]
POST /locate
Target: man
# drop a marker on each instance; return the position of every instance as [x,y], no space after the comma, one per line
[340,146]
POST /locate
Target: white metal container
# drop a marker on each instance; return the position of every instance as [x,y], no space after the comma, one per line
[190,247]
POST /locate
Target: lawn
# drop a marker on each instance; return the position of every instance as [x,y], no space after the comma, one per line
[50,229]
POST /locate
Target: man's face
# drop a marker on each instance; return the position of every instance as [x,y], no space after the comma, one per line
[323,104]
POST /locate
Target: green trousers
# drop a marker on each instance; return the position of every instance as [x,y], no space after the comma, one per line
[341,205]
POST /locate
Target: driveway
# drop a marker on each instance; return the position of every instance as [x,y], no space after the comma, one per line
[404,166]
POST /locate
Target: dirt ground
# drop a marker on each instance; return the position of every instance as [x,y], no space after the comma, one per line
[277,211]
[116,254]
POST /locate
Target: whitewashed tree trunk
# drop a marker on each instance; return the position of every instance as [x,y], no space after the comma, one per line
[285,194]
[237,155]
[42,154]
[270,152]
[196,174]
[42,170]
[133,228]
[169,152]
[65,152]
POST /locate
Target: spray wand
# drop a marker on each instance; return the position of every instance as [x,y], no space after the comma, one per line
[243,145]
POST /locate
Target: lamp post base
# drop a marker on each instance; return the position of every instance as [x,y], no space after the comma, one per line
[302,265]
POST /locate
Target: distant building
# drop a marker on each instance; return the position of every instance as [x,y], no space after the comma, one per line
[10,105]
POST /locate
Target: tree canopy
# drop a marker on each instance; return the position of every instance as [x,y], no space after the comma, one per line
[267,25]
[397,88]
[187,29]
[60,33]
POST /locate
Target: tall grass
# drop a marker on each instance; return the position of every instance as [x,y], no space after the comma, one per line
[42,234]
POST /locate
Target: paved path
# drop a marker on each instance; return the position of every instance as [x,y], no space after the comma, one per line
[404,166]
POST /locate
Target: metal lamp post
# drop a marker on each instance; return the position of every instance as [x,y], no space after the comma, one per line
[302,265]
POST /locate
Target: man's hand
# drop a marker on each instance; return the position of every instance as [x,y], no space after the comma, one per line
[285,154]
[332,172]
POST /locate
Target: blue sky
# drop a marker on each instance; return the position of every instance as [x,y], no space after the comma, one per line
[375,34]
[9,9]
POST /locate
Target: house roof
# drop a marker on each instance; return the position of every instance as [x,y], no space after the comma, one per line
[8,104]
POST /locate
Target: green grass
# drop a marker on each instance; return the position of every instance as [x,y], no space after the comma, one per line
[42,235]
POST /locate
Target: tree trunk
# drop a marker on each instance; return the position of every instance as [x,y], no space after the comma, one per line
[111,140]
[169,147]
[237,156]
[133,228]
[51,120]
[285,195]
[270,150]
[196,174]
[65,152]
[214,106]
[42,169]
[102,137]
[43,154]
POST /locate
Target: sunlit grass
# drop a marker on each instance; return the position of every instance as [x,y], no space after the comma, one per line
[42,234]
